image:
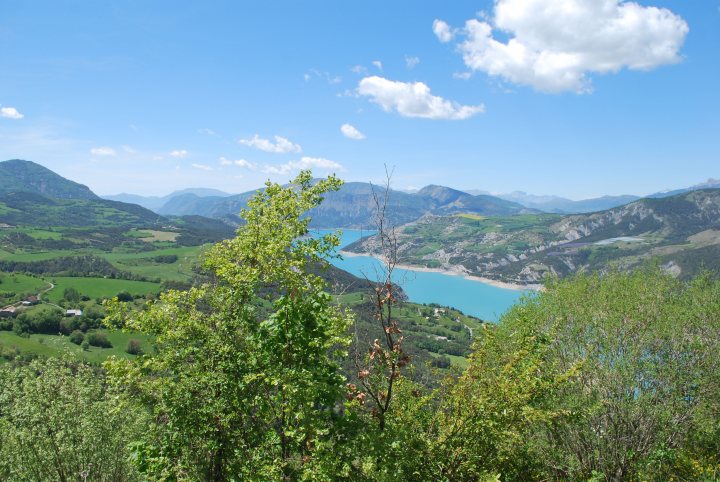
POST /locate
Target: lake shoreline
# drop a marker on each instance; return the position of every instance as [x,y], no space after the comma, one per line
[458,272]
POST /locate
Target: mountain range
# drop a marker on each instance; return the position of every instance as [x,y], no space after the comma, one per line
[444,228]
[34,197]
[681,231]
[351,207]
[407,205]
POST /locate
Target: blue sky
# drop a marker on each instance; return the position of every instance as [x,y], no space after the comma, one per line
[544,96]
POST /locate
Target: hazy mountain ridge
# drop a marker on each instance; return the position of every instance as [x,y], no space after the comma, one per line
[682,231]
[156,203]
[561,205]
[353,205]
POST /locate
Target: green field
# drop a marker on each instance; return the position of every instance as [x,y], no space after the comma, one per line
[59,345]
[40,255]
[19,284]
[142,263]
[100,287]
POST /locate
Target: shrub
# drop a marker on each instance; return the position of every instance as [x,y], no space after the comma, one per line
[99,339]
[77,337]
[134,347]
[124,296]
[85,345]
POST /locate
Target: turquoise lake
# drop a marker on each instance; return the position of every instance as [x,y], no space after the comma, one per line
[472,297]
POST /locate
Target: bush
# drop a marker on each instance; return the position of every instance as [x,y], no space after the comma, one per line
[47,322]
[6,325]
[77,337]
[124,296]
[71,294]
[99,339]
[134,347]
[85,345]
[166,258]
[68,325]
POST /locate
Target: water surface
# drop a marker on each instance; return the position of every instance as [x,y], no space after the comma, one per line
[469,296]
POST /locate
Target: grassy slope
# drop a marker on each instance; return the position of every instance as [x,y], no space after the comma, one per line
[19,284]
[99,287]
[59,345]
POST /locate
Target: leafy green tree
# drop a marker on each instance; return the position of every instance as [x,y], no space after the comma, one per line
[244,381]
[77,337]
[57,419]
[646,402]
[71,294]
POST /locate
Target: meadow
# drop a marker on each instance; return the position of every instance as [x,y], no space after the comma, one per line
[60,345]
[99,287]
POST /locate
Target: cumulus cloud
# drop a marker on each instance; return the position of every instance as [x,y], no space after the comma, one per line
[553,45]
[351,132]
[203,167]
[443,31]
[280,146]
[378,65]
[237,162]
[304,163]
[10,113]
[411,62]
[103,151]
[414,100]
[179,153]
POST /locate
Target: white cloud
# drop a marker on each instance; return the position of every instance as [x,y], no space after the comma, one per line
[103,151]
[207,131]
[462,75]
[411,62]
[414,100]
[203,167]
[10,113]
[351,132]
[129,149]
[443,31]
[553,45]
[304,163]
[280,146]
[327,76]
[237,162]
[359,69]
[377,64]
[179,153]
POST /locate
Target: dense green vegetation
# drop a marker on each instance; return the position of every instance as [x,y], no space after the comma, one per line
[242,377]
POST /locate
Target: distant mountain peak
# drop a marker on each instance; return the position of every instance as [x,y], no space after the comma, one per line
[17,175]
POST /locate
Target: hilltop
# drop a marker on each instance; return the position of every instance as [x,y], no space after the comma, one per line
[26,176]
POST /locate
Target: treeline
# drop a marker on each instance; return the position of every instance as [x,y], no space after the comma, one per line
[75,266]
[613,377]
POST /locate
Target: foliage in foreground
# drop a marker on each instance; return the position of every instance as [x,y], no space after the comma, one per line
[58,419]
[613,377]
